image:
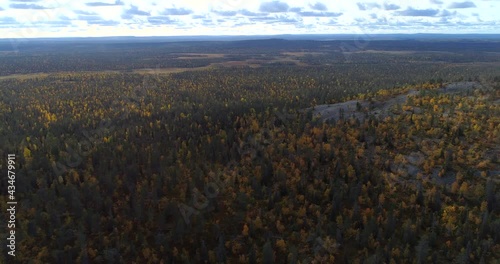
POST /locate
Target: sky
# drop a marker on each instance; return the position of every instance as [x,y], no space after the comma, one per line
[95,18]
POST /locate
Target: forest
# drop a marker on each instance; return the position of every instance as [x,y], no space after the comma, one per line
[252,151]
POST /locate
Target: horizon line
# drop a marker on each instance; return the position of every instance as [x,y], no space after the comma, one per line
[262,35]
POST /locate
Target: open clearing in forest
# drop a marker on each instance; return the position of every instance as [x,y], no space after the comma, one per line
[46,74]
[301,53]
[194,56]
[289,58]
[361,109]
[24,76]
[394,52]
[169,70]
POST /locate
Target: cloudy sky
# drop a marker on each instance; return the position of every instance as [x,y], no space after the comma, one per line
[69,18]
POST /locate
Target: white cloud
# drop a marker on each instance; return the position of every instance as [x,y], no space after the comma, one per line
[190,17]
[458,5]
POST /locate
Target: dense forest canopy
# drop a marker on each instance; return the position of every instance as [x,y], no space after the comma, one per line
[222,152]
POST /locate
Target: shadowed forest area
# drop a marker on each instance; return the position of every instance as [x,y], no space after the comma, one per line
[252,151]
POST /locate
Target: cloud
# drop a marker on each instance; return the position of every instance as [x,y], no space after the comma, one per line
[27,6]
[476,15]
[81,12]
[240,24]
[418,12]
[11,22]
[103,22]
[319,6]
[97,20]
[89,17]
[466,4]
[284,19]
[117,3]
[134,11]
[274,19]
[250,13]
[65,18]
[161,20]
[391,7]
[318,14]
[367,6]
[7,20]
[263,18]
[176,12]
[225,13]
[273,7]
[446,13]
[55,23]
[383,15]
[298,11]
[208,22]
[332,22]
